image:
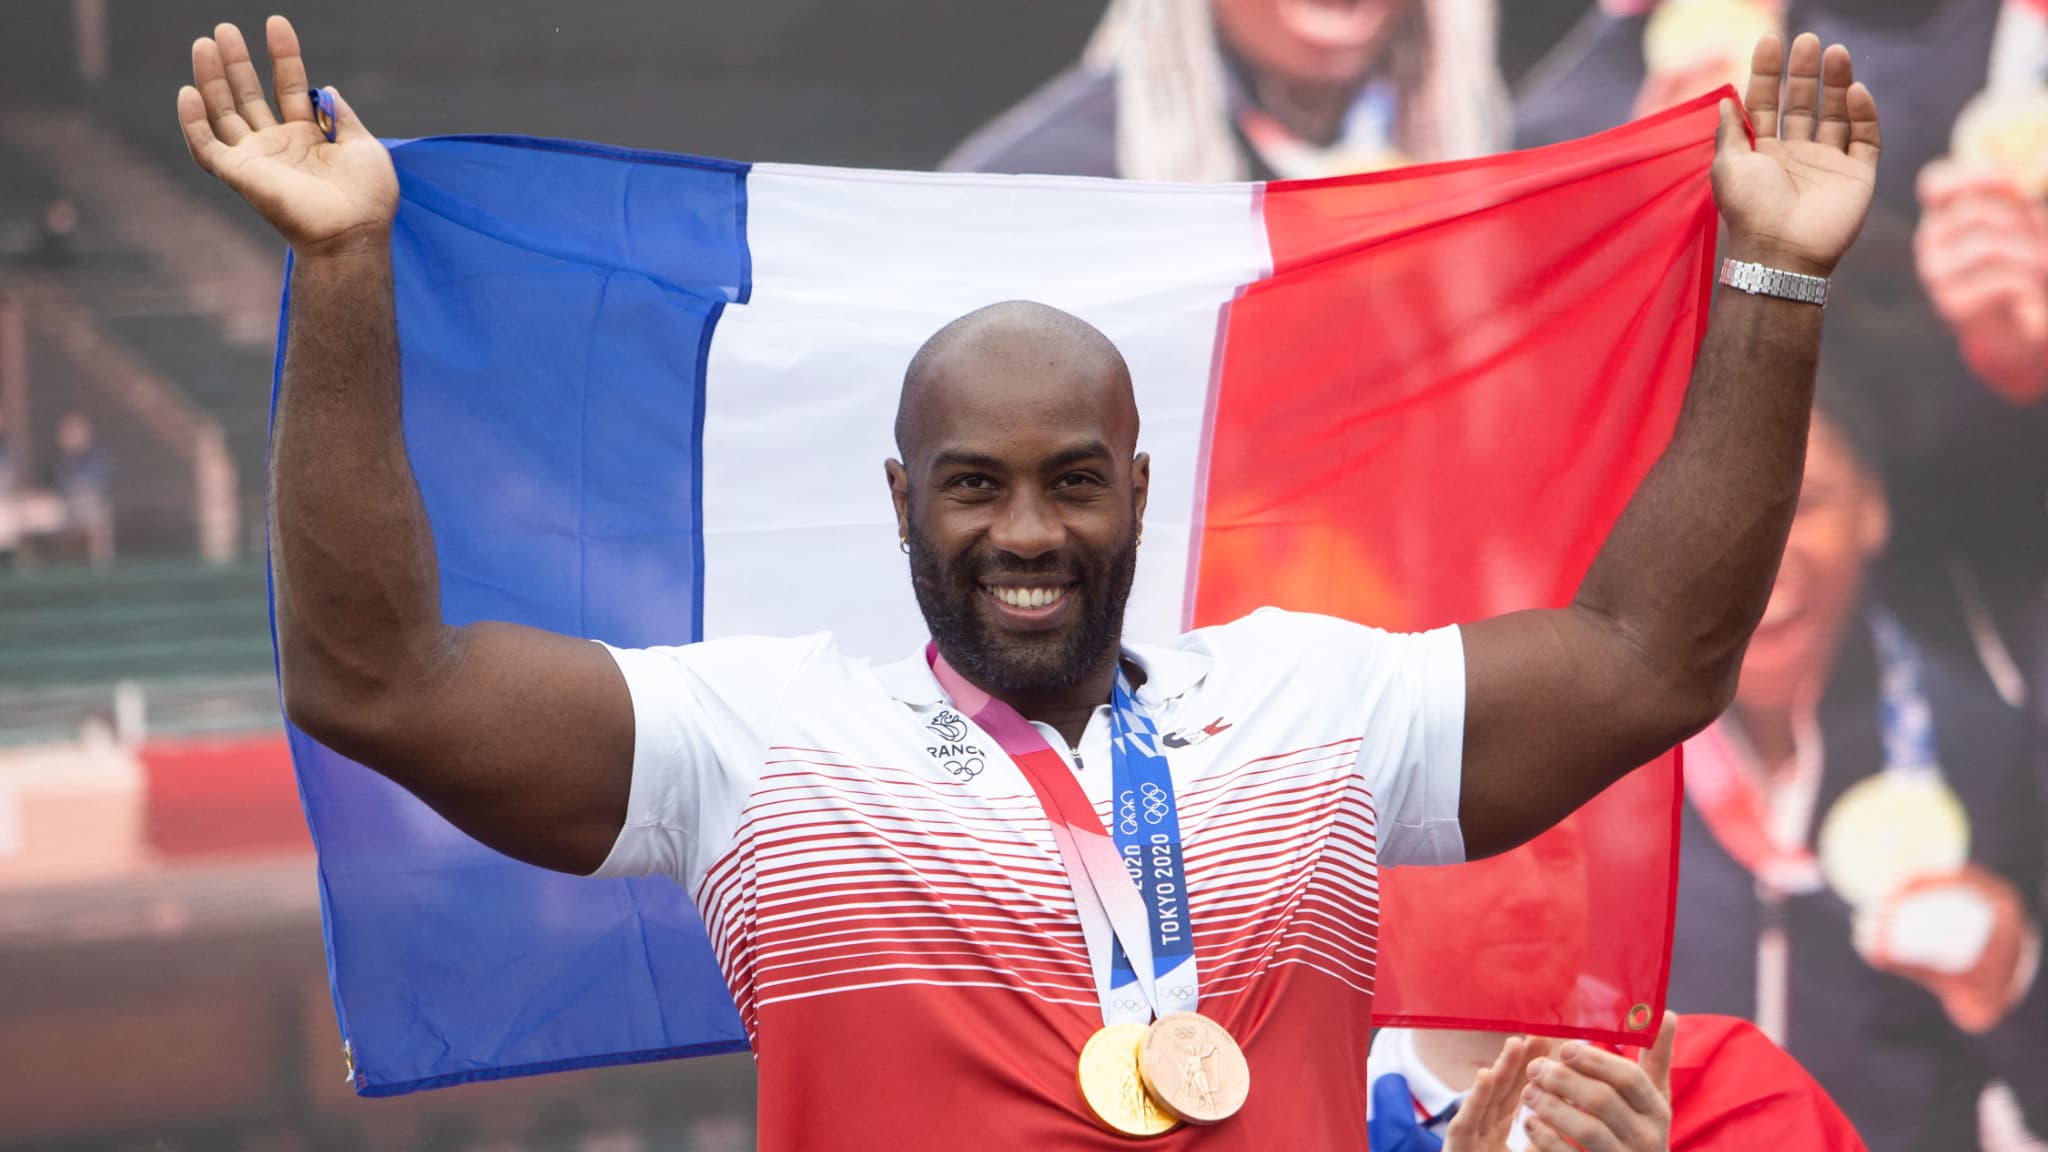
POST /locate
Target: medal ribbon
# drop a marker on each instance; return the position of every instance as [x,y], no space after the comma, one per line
[1105,873]
[1736,811]
[1148,836]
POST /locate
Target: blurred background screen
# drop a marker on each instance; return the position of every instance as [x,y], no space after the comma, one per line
[162,983]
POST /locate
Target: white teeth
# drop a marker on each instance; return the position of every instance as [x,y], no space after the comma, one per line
[1027,597]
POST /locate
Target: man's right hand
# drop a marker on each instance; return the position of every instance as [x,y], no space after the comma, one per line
[320,196]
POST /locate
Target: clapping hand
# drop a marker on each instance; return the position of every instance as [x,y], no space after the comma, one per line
[1796,199]
[1591,1099]
[1487,1114]
[1982,253]
[322,196]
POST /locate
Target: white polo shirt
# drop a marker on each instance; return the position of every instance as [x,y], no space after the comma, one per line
[893,918]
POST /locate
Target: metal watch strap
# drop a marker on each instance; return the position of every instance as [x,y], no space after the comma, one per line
[1762,280]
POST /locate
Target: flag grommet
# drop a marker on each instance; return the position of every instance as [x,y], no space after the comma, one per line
[1638,1018]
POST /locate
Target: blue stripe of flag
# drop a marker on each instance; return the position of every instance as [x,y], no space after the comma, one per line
[556,303]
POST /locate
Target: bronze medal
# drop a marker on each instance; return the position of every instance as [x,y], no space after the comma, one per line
[1111,1085]
[1193,1067]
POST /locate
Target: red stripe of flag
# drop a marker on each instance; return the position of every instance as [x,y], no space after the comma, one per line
[1432,412]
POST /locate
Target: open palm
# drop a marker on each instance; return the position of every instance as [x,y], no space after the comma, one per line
[1799,195]
[315,192]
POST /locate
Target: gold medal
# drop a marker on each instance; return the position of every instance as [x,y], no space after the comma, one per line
[1687,35]
[1889,828]
[2008,129]
[1193,1067]
[1112,1087]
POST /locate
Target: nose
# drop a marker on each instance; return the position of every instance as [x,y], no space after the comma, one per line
[1027,527]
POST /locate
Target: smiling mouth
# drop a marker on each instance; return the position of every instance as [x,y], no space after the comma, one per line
[1029,599]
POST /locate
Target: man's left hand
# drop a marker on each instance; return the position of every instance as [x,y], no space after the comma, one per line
[1796,199]
[1591,1099]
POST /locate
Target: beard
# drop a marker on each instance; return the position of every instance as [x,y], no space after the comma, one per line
[1007,664]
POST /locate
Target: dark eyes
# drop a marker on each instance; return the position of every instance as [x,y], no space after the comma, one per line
[976,482]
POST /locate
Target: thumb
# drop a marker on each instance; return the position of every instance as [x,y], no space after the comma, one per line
[1732,135]
[1657,1061]
[348,127]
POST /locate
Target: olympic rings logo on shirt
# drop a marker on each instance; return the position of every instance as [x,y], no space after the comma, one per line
[1155,803]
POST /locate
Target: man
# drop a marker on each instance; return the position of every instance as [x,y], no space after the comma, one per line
[1907,995]
[918,963]
[1203,90]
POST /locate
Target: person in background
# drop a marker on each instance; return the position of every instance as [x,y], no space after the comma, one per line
[1205,90]
[1862,857]
[1705,1083]
[83,481]
[10,512]
[56,243]
[1936,53]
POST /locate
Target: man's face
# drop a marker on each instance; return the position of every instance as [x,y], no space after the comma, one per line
[1839,528]
[1021,503]
[1308,41]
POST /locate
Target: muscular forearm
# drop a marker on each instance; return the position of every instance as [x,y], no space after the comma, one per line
[358,605]
[1685,573]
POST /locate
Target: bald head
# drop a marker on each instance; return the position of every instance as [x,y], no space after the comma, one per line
[1013,359]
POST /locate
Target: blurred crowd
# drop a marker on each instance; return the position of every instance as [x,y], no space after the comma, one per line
[1862,869]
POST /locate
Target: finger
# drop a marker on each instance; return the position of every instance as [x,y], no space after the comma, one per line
[1511,1059]
[1945,180]
[2018,295]
[1544,1138]
[1657,1061]
[1802,89]
[287,71]
[1977,256]
[1864,142]
[1837,72]
[242,81]
[199,137]
[347,125]
[1964,216]
[1729,138]
[211,78]
[1766,76]
[1629,1082]
[1586,1093]
[1582,1128]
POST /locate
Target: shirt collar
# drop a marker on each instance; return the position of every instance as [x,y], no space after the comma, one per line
[1169,672]
[1393,1050]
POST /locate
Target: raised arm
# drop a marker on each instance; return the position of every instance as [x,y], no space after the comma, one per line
[1560,704]
[521,738]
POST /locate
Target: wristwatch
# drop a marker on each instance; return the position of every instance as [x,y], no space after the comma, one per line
[1762,280]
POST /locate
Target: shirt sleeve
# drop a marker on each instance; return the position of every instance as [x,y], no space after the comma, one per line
[1412,686]
[1401,693]
[702,720]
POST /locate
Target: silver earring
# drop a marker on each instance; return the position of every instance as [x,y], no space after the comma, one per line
[903,542]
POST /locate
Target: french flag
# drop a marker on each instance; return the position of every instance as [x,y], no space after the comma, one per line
[648,397]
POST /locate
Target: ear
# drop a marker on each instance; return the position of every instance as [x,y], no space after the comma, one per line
[899,494]
[1141,486]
